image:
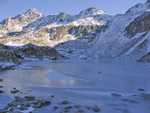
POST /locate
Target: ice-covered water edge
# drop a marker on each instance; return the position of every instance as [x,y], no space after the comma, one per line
[116,95]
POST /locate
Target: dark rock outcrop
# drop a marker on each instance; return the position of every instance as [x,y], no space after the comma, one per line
[17,54]
[139,25]
[145,58]
[31,50]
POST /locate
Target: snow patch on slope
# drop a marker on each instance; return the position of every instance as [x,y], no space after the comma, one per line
[87,21]
[137,44]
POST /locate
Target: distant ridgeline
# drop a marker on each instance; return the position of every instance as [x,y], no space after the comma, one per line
[90,34]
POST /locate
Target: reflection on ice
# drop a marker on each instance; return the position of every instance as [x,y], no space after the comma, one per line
[120,77]
[37,76]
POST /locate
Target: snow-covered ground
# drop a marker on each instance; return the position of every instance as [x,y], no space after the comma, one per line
[6,65]
[111,85]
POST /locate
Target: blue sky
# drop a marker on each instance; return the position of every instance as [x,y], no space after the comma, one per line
[14,7]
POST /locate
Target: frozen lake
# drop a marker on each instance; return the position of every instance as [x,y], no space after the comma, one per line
[112,84]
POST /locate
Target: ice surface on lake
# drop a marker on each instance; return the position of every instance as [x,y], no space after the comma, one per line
[87,82]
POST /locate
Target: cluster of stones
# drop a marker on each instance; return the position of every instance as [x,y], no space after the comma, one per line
[21,104]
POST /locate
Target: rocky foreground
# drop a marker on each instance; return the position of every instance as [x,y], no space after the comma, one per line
[30,103]
[27,103]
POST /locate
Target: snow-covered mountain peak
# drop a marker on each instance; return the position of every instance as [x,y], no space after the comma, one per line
[139,8]
[33,12]
[16,24]
[62,15]
[92,11]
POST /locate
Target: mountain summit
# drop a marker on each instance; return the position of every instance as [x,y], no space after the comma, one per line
[92,11]
[33,11]
[30,15]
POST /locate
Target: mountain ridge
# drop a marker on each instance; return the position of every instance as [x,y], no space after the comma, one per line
[91,33]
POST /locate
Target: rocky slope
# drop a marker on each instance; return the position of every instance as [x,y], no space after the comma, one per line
[91,33]
[14,55]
